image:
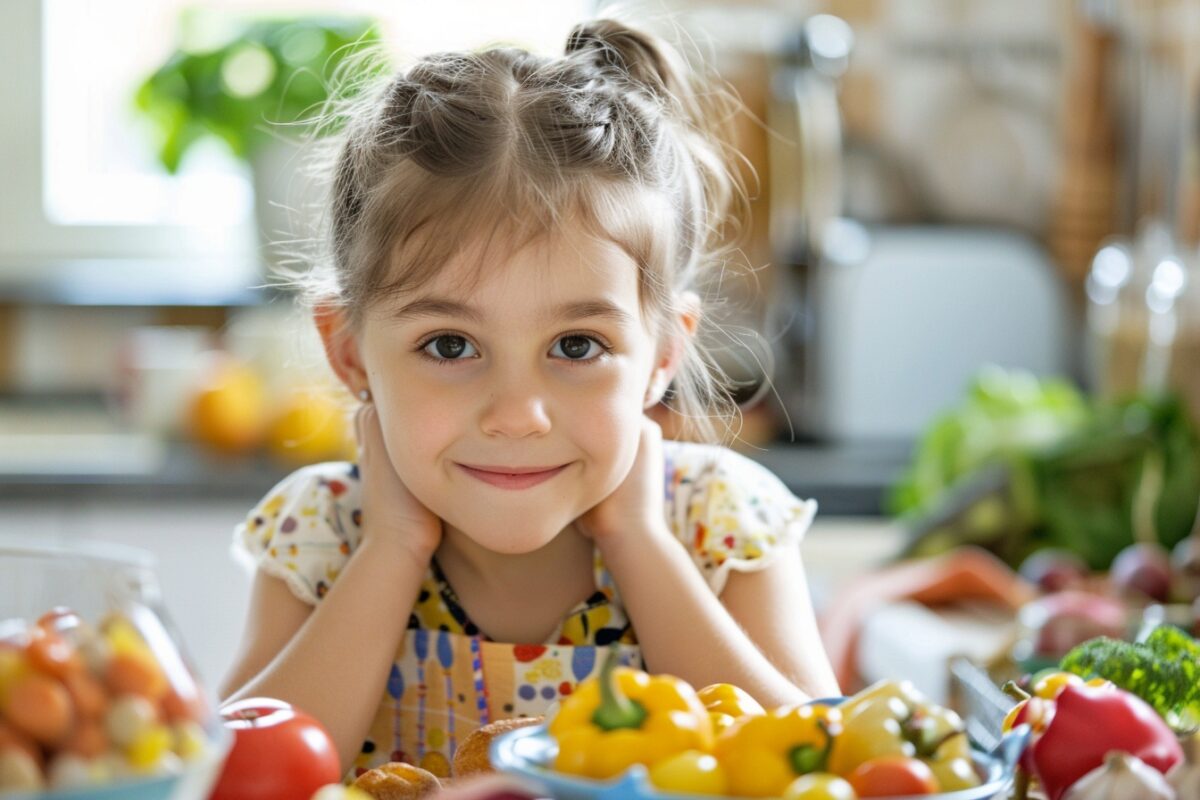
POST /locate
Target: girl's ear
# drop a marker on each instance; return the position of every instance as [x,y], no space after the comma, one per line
[341,346]
[670,352]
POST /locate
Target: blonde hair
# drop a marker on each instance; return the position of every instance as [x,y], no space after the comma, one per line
[618,137]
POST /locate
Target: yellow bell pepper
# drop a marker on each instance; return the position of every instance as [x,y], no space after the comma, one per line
[628,717]
[725,698]
[727,704]
[763,754]
[872,729]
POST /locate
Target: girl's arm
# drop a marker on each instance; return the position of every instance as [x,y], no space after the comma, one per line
[684,630]
[336,663]
[774,608]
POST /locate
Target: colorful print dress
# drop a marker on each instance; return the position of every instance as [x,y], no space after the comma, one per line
[447,678]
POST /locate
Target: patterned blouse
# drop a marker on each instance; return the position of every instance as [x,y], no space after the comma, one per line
[730,512]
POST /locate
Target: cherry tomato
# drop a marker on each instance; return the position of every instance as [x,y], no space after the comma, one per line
[690,772]
[889,776]
[819,786]
[874,730]
[278,751]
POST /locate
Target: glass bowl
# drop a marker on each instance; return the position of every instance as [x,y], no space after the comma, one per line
[98,698]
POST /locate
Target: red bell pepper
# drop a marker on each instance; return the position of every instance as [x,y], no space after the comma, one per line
[1090,721]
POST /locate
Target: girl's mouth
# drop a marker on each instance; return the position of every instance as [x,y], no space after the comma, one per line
[512,480]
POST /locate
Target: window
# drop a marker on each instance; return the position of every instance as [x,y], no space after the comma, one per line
[83,180]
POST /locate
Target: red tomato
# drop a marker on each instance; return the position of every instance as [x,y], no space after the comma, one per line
[279,753]
[889,776]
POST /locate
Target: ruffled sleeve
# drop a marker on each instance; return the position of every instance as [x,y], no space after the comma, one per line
[304,530]
[732,512]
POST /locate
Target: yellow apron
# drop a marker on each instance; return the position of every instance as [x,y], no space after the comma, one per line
[448,679]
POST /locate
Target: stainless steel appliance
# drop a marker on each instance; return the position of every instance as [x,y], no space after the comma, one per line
[880,327]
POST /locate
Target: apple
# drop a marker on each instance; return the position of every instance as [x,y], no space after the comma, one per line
[279,753]
[1185,563]
[1142,571]
[1062,620]
[1053,569]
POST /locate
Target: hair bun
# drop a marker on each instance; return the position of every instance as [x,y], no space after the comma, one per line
[623,53]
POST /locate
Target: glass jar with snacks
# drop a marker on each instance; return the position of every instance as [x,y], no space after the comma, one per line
[97,697]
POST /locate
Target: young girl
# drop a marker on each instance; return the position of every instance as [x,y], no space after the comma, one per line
[517,242]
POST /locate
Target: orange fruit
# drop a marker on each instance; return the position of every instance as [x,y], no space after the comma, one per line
[309,426]
[229,409]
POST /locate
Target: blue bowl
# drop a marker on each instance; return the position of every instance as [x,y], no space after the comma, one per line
[529,753]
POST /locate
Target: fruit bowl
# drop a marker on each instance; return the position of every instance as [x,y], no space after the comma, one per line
[98,699]
[527,752]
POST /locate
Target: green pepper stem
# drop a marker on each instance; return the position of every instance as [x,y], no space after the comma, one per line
[1011,689]
[806,758]
[615,710]
[1021,787]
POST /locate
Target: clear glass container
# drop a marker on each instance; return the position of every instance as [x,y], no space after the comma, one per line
[1117,317]
[98,699]
[1144,318]
[1183,371]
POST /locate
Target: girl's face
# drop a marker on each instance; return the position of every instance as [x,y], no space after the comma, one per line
[545,363]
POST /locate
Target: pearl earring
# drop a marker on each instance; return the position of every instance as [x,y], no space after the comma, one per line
[655,392]
[364,395]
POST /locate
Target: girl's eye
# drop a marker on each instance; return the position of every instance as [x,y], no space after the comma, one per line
[576,346]
[573,347]
[446,347]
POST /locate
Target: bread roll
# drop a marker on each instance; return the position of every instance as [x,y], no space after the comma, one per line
[398,781]
[471,757]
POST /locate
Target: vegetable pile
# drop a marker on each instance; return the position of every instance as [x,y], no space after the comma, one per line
[1117,721]
[1164,670]
[1023,464]
[887,740]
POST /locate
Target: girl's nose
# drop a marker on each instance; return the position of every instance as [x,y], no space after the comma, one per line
[515,412]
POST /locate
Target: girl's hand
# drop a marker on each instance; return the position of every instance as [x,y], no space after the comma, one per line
[390,512]
[636,507]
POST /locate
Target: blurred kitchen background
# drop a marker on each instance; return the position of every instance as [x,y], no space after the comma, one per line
[973,268]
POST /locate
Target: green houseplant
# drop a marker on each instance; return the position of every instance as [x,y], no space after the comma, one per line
[263,91]
[270,79]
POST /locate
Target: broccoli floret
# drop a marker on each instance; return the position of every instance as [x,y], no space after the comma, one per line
[1164,671]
